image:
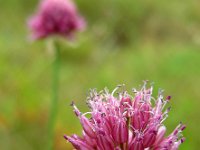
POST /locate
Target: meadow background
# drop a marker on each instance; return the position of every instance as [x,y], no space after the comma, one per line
[126,41]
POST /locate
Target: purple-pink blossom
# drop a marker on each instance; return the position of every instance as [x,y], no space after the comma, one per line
[124,122]
[55,17]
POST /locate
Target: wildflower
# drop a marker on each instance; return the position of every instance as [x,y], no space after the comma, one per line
[55,17]
[126,123]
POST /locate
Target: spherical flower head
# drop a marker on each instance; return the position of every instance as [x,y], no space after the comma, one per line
[55,17]
[124,122]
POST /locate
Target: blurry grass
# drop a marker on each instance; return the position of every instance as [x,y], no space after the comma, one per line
[143,40]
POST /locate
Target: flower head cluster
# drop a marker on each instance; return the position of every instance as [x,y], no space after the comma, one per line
[124,122]
[55,17]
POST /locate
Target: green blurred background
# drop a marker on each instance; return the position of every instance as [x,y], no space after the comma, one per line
[126,41]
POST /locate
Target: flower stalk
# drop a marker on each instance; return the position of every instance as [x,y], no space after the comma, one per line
[55,95]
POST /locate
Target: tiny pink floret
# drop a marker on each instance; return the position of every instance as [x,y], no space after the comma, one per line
[124,122]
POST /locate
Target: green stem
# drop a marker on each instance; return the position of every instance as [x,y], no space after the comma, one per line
[54,101]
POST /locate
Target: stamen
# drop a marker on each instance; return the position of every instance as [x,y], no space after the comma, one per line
[115,89]
[86,113]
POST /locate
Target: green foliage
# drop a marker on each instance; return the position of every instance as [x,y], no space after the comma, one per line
[126,42]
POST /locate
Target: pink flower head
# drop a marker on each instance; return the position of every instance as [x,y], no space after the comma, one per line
[125,123]
[55,17]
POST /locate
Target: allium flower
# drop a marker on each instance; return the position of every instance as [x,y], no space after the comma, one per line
[126,123]
[55,17]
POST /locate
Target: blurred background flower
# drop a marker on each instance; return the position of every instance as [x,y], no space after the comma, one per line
[56,17]
[126,42]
